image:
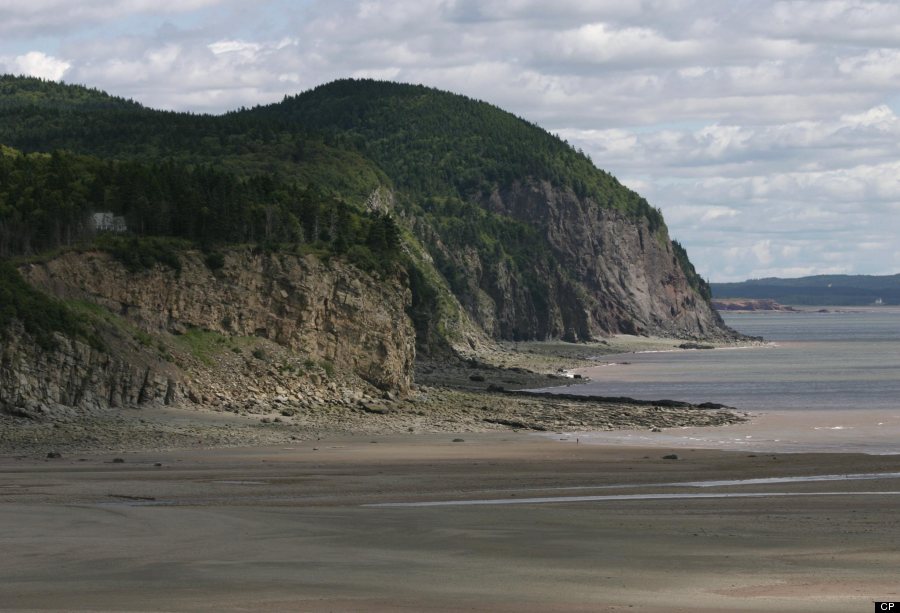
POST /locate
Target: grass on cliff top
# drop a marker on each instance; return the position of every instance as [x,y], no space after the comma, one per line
[41,315]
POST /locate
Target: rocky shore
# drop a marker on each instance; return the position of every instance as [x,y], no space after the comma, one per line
[750,304]
[454,397]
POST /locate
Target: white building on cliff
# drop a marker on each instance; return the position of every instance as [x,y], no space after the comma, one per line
[105,221]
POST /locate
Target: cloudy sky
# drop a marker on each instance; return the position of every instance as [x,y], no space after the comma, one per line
[767,131]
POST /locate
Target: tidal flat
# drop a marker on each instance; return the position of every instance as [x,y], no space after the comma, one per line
[293,528]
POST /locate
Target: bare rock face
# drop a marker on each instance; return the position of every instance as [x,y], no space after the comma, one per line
[309,311]
[39,383]
[609,273]
[750,304]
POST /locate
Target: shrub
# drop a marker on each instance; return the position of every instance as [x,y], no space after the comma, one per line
[363,258]
[214,261]
[41,315]
[328,367]
[143,253]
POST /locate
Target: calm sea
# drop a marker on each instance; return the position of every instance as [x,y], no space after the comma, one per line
[835,360]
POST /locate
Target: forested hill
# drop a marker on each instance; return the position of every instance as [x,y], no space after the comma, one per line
[43,116]
[427,140]
[24,92]
[818,290]
[438,143]
[500,221]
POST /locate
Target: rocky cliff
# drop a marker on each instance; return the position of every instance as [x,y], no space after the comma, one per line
[74,377]
[259,329]
[605,273]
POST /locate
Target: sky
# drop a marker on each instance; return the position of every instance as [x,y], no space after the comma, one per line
[766,131]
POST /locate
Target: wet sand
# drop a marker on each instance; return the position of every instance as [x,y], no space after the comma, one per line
[825,431]
[293,529]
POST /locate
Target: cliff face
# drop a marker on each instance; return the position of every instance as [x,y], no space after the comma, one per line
[609,273]
[74,377]
[320,332]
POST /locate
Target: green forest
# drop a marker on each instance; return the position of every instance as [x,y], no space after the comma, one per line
[47,202]
[432,142]
[420,139]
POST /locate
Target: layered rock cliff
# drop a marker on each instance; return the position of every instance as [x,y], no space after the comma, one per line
[625,277]
[605,272]
[261,327]
[73,377]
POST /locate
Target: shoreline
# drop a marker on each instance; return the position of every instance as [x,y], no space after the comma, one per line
[452,402]
[497,394]
[461,396]
[873,432]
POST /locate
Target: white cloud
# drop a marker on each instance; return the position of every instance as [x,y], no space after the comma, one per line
[24,18]
[599,43]
[718,212]
[38,64]
[246,50]
[834,21]
[222,74]
[763,252]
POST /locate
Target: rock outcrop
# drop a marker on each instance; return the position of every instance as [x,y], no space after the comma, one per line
[750,304]
[318,332]
[74,377]
[608,273]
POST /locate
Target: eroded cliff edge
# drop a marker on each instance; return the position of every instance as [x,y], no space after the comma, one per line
[259,329]
[623,275]
[590,271]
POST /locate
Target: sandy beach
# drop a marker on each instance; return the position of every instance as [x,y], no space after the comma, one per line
[293,528]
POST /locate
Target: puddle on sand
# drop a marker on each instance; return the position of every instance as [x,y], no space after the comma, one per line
[806,479]
[615,497]
[709,483]
[725,482]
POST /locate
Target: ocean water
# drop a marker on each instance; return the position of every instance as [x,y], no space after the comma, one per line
[843,359]
[826,382]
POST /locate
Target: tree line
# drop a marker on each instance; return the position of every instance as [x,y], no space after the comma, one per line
[48,201]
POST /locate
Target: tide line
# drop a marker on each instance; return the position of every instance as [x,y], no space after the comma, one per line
[615,497]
